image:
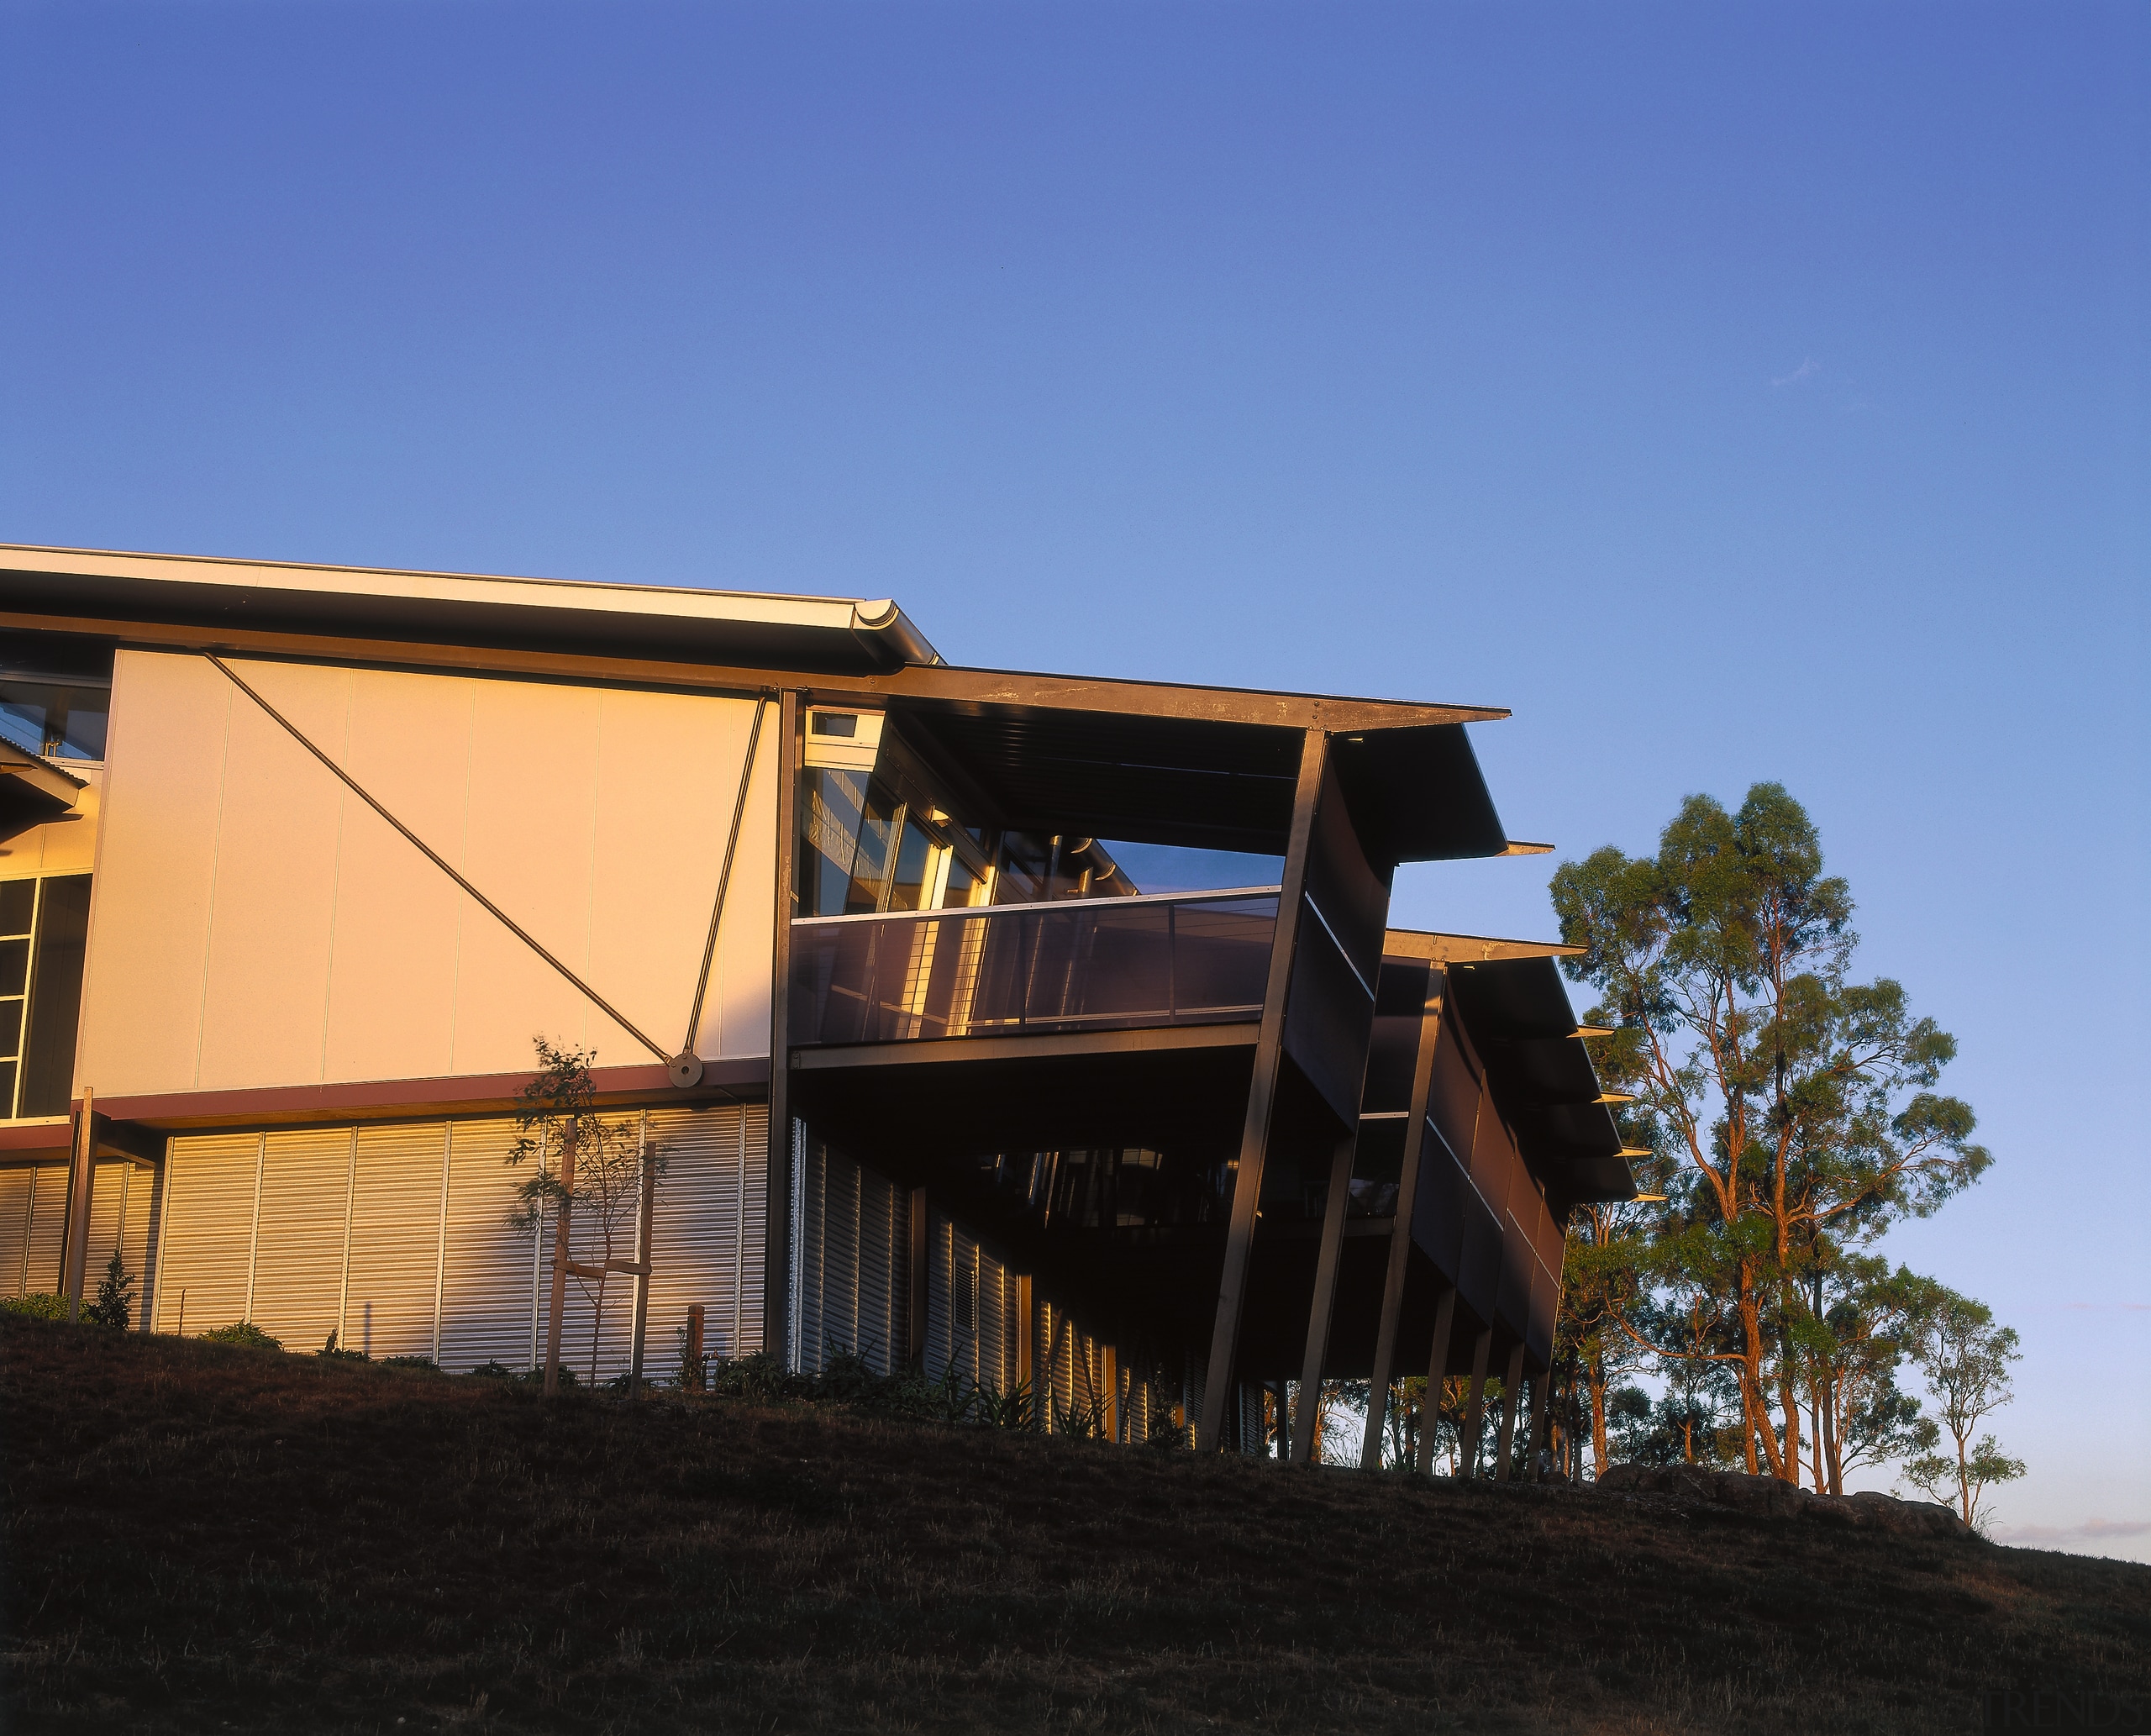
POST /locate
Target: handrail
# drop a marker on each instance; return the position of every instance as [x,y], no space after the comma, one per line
[959,912]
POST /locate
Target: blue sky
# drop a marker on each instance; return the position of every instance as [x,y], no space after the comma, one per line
[1735,391]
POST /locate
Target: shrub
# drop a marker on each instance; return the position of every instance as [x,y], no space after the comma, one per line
[330,1350]
[40,1306]
[245,1334]
[495,1371]
[115,1303]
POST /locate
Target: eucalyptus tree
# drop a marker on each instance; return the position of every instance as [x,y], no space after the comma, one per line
[1791,1113]
[1965,1358]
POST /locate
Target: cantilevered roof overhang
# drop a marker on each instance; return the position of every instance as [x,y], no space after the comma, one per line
[836,635]
[1157,761]
[1514,1005]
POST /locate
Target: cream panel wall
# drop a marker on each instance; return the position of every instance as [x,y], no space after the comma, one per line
[256,924]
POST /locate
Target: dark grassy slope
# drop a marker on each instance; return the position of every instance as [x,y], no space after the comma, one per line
[200,1538]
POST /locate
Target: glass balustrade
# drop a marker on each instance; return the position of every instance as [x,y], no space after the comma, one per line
[1081,965]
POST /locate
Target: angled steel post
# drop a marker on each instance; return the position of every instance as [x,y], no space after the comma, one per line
[1261,1097]
[1308,1418]
[1430,1408]
[1400,1233]
[82,1182]
[1511,1414]
[1475,1409]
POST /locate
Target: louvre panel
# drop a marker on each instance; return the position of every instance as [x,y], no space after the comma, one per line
[703,1246]
[107,1212]
[1194,1380]
[144,1195]
[489,1272]
[16,1186]
[1001,1323]
[208,1234]
[48,1229]
[941,1353]
[851,1250]
[298,1259]
[391,1295]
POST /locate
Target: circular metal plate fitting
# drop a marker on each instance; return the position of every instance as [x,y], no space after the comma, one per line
[687,1071]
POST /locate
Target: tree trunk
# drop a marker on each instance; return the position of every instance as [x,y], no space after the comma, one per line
[1789,1407]
[1599,1457]
[552,1381]
[1751,1382]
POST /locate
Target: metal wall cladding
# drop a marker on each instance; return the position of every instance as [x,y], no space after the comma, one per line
[490,1281]
[205,1266]
[974,1309]
[397,1237]
[298,1265]
[850,1261]
[391,1297]
[706,1245]
[1069,1373]
[33,1221]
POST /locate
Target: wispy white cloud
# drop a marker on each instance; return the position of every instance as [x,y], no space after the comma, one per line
[1806,371]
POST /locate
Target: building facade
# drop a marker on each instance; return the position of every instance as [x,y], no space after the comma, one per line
[1095,1069]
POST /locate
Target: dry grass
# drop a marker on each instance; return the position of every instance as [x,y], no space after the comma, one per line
[212,1539]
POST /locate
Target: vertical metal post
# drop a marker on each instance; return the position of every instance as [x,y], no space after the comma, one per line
[559,1293]
[644,1228]
[776,1247]
[1430,1409]
[690,1366]
[1511,1414]
[1262,1095]
[82,1183]
[1399,1232]
[1542,1391]
[1474,1407]
[1308,1423]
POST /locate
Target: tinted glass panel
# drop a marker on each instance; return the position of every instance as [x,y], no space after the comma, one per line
[55,996]
[7,1086]
[18,899]
[15,966]
[63,722]
[871,864]
[914,865]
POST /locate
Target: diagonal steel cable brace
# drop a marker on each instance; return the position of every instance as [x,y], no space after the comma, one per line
[433,856]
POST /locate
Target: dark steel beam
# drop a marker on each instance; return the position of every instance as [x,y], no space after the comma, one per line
[1262,1095]
[934,1050]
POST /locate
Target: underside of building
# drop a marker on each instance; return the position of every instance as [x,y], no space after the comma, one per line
[1096,1069]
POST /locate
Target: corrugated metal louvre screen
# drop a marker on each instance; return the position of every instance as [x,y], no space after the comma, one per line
[489,1272]
[851,1259]
[48,1227]
[206,1259]
[705,1244]
[18,1189]
[139,1244]
[299,1261]
[390,1297]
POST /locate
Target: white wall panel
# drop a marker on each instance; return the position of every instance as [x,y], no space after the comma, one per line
[299,1261]
[256,926]
[207,1246]
[156,876]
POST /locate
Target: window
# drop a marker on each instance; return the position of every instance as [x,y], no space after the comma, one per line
[43,925]
[59,720]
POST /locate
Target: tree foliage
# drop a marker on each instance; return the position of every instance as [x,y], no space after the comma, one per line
[1790,1114]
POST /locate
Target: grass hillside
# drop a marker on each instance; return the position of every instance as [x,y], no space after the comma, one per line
[204,1538]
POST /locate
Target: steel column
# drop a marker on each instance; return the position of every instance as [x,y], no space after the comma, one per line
[776,1246]
[1474,1407]
[1400,1233]
[1511,1406]
[82,1183]
[1304,1425]
[1430,1409]
[1261,1097]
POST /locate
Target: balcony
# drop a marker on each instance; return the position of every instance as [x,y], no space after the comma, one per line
[1076,965]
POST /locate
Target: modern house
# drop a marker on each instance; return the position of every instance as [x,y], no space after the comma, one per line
[1093,1062]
